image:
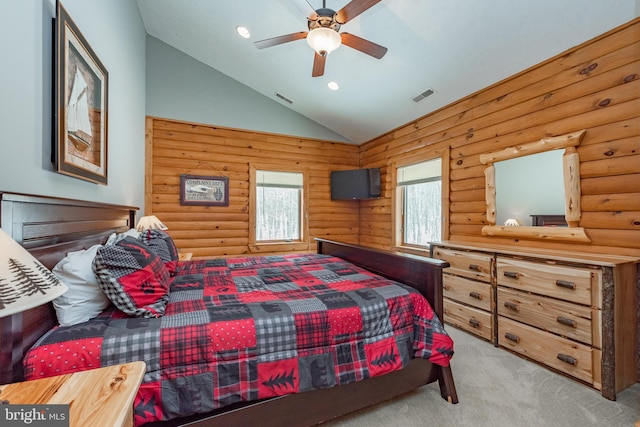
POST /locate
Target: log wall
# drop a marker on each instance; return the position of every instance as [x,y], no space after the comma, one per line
[174,148]
[595,86]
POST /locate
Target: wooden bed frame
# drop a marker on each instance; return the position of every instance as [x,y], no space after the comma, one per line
[51,227]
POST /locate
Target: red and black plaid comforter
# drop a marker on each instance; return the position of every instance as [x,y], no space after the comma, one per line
[250,328]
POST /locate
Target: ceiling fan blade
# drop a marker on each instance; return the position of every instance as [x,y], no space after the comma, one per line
[318,64]
[261,44]
[353,9]
[364,46]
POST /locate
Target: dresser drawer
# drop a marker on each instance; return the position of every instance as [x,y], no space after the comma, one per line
[569,283]
[470,319]
[477,294]
[559,353]
[563,318]
[468,264]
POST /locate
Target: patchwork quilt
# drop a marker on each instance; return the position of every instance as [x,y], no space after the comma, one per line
[242,329]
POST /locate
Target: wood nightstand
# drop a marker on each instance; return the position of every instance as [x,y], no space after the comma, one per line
[98,397]
[185,256]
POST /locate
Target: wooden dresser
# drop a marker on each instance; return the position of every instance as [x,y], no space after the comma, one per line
[575,313]
[469,290]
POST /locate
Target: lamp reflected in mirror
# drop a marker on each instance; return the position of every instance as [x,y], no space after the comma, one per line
[511,222]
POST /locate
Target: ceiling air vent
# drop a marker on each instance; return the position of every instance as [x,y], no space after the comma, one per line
[284,98]
[423,95]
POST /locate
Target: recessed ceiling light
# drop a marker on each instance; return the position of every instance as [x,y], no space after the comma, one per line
[243,31]
[333,85]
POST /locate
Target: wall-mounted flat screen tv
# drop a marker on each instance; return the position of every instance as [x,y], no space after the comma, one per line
[357,184]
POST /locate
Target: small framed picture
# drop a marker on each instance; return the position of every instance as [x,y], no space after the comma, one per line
[81,104]
[204,190]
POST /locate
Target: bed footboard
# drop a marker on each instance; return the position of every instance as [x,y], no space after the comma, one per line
[421,273]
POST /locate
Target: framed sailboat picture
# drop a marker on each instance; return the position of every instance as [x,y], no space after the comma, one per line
[80,92]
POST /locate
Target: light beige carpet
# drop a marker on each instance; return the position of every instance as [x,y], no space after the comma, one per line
[497,388]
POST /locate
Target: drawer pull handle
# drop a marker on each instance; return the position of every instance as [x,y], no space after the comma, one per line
[512,337]
[474,267]
[511,305]
[475,295]
[475,323]
[567,321]
[568,359]
[566,284]
[512,274]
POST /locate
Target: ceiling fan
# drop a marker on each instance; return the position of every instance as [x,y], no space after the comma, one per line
[324,37]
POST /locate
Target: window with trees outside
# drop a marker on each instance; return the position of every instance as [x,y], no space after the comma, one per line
[420,196]
[279,205]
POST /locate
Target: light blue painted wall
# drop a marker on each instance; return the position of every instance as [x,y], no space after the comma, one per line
[180,87]
[115,31]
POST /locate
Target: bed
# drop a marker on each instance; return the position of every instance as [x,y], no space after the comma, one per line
[50,227]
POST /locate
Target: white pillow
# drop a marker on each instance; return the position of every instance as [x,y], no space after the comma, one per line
[115,238]
[85,299]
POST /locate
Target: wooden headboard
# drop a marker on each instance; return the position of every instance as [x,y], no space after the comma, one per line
[49,228]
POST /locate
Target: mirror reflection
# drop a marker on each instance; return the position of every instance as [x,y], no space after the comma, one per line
[529,185]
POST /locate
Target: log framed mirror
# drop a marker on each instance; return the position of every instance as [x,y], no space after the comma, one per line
[571,176]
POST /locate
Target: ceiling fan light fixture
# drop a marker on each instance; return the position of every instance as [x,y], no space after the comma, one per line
[323,40]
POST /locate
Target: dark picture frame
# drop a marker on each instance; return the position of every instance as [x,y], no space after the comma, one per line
[202,190]
[80,104]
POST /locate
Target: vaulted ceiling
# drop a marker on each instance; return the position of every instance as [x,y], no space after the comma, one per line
[452,47]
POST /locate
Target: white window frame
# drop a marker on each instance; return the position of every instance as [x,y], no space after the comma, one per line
[397,202]
[277,245]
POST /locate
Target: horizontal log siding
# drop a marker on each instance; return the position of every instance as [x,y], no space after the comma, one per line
[595,86]
[175,148]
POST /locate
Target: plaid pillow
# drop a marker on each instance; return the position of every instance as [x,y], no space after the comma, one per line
[162,244]
[133,277]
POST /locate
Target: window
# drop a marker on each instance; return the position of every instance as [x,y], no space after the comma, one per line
[279,204]
[420,196]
